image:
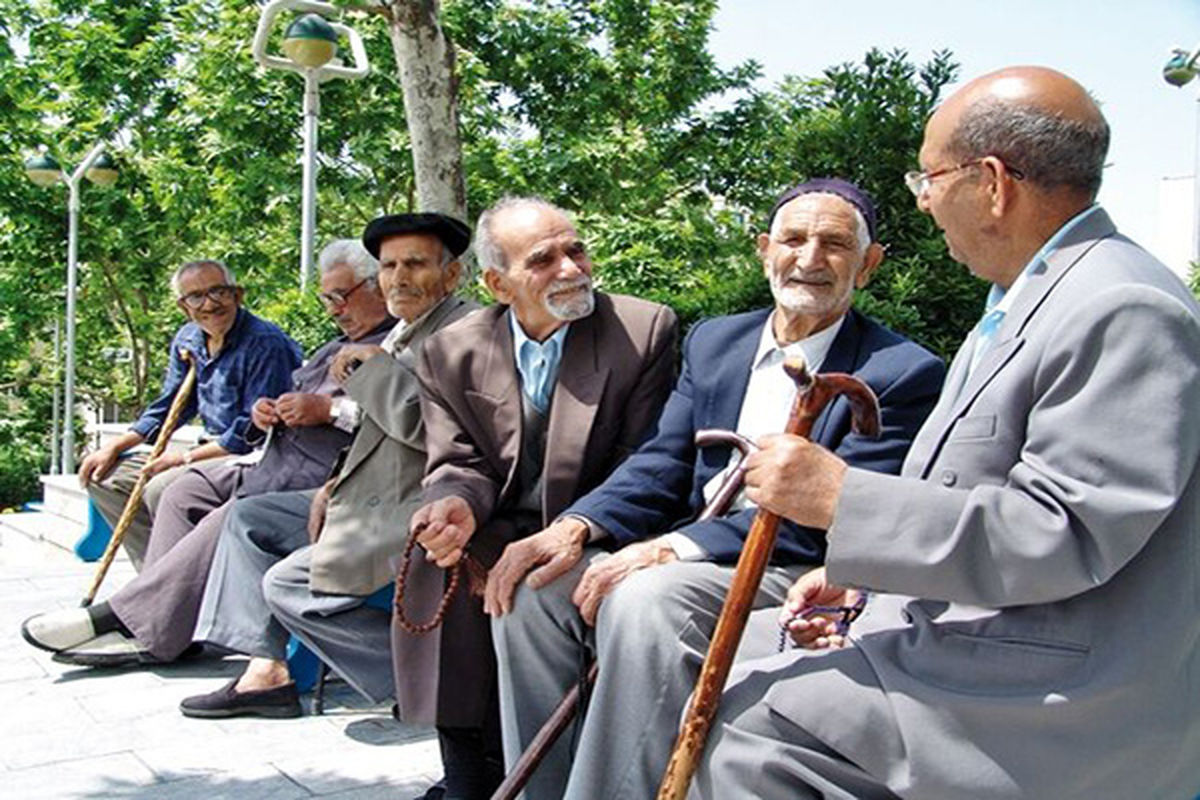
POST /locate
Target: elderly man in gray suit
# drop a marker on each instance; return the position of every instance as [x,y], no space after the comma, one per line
[1032,620]
[268,578]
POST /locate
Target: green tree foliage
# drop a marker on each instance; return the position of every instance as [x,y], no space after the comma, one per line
[612,108]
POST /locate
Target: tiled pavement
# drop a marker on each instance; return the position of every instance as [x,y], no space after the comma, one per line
[69,732]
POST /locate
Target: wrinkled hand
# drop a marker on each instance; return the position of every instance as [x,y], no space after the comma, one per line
[263,414]
[443,528]
[300,409]
[602,577]
[349,357]
[163,463]
[316,512]
[817,631]
[553,551]
[97,466]
[795,478]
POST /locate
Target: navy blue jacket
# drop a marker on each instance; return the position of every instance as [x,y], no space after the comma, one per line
[659,488]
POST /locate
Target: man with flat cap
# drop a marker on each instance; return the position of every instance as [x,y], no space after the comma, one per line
[528,405]
[1033,620]
[647,611]
[305,562]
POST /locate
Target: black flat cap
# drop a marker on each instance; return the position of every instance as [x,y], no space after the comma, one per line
[454,233]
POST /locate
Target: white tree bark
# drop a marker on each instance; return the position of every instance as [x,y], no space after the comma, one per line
[425,58]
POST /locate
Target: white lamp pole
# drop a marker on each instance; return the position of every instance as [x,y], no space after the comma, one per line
[310,43]
[41,170]
[1181,68]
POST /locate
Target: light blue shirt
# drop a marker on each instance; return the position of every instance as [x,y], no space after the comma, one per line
[537,362]
[1000,300]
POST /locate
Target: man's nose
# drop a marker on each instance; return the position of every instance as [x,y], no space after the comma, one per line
[923,200]
[807,255]
[569,268]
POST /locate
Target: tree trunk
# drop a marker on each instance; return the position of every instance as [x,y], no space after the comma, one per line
[425,58]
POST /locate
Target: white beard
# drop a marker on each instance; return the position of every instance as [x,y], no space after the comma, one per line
[804,299]
[577,305]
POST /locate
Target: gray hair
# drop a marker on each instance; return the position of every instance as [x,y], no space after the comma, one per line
[1050,149]
[861,232]
[351,253]
[488,251]
[204,263]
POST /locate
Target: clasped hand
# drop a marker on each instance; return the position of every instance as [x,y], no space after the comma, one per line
[443,528]
[815,631]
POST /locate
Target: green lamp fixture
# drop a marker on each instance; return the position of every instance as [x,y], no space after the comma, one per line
[43,170]
[310,41]
[103,171]
[1180,68]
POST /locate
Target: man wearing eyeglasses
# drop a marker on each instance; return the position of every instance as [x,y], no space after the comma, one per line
[300,435]
[239,358]
[1032,621]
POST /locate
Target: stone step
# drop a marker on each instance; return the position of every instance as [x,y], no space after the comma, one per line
[63,496]
[42,526]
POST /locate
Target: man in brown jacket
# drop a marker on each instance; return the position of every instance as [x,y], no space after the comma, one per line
[527,405]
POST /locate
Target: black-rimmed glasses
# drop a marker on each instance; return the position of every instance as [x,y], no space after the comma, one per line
[338,297]
[218,294]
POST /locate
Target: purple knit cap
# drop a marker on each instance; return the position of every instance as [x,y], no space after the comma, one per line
[843,189]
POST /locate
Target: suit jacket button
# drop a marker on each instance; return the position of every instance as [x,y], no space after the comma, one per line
[949,477]
[374,501]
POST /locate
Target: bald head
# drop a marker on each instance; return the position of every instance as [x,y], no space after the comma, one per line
[1037,121]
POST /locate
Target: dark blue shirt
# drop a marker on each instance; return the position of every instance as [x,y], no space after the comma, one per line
[256,361]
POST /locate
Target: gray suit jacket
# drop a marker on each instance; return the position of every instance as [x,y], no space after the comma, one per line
[378,485]
[1047,516]
[617,368]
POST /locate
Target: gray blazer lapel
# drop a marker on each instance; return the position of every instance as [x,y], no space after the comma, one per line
[581,382]
[1009,338]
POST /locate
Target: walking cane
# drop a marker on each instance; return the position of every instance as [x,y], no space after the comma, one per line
[814,392]
[568,707]
[135,496]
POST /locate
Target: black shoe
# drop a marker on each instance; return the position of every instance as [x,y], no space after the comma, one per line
[435,792]
[282,702]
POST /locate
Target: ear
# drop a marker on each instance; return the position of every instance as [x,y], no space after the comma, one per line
[497,284]
[187,312]
[450,276]
[1001,185]
[871,261]
[764,243]
[238,294]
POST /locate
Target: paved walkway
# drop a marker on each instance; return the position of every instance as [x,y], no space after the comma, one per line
[70,732]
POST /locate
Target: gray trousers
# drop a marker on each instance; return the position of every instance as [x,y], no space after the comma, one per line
[161,603]
[651,637]
[111,494]
[756,751]
[259,591]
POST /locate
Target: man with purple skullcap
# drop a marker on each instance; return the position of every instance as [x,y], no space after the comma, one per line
[647,610]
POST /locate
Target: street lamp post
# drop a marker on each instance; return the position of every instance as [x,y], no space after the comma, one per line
[1181,68]
[310,43]
[44,171]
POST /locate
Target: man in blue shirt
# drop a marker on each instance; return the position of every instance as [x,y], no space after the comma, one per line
[239,358]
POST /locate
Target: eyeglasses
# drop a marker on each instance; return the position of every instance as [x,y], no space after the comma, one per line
[338,297]
[919,182]
[218,294]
